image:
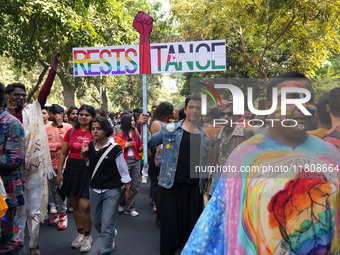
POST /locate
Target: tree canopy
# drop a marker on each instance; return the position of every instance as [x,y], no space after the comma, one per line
[270,36]
[33,29]
[263,38]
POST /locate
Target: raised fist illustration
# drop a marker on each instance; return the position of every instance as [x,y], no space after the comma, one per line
[143,24]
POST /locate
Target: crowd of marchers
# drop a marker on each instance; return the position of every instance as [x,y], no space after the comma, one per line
[90,162]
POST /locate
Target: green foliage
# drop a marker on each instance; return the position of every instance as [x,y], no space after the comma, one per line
[264,37]
[127,93]
[31,30]
[327,77]
[302,34]
[236,67]
[11,74]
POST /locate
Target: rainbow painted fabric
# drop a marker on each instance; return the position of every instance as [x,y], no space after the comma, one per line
[257,215]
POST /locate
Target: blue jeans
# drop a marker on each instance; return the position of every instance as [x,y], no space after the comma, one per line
[104,211]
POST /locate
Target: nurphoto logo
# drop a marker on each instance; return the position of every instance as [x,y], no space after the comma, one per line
[289,94]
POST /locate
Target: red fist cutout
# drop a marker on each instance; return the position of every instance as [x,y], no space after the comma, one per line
[143,24]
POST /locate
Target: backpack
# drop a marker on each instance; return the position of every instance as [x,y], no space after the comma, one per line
[159,156]
[159,152]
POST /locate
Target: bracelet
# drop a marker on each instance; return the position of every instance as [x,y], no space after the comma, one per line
[129,188]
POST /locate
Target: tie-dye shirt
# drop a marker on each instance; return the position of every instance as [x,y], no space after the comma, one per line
[280,216]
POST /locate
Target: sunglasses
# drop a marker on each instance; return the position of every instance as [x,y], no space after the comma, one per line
[18,95]
[230,114]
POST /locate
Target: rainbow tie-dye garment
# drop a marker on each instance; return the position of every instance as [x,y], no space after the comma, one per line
[280,216]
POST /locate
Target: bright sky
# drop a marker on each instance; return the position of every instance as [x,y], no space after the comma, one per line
[165,5]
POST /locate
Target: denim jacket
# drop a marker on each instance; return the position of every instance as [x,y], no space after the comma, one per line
[171,144]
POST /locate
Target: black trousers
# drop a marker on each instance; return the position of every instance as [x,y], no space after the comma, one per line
[181,208]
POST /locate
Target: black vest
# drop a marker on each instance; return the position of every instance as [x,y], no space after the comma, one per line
[107,175]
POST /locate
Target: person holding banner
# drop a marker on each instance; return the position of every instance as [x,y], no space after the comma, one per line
[185,145]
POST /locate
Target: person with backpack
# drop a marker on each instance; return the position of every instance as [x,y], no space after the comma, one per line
[74,182]
[108,172]
[185,146]
[162,114]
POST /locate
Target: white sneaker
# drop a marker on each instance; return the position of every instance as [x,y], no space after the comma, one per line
[120,209]
[78,241]
[86,246]
[133,213]
[53,210]
[114,239]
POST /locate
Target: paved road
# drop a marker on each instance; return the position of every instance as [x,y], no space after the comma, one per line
[136,235]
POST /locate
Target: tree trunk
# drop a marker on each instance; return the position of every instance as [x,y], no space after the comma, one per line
[68,90]
[104,99]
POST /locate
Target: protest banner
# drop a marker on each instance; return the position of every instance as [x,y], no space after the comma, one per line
[146,58]
[198,56]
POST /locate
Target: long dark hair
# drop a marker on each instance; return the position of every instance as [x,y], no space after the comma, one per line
[101,112]
[126,126]
[2,94]
[162,111]
[104,124]
[87,108]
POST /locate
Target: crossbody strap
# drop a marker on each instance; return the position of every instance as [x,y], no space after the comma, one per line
[102,158]
[71,132]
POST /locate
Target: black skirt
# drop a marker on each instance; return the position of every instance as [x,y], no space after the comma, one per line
[182,205]
[76,179]
[153,170]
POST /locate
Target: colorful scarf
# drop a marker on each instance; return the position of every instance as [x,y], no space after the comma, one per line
[38,163]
